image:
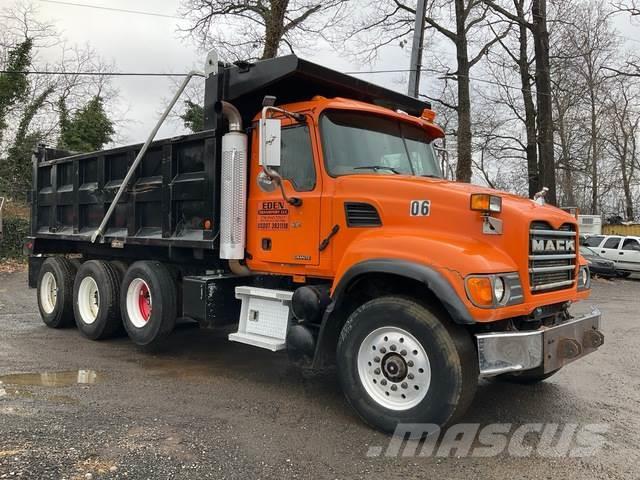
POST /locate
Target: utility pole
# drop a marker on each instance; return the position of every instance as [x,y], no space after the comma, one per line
[416,49]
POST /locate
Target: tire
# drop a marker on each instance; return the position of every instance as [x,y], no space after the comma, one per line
[120,267]
[55,292]
[624,274]
[148,300]
[96,305]
[438,381]
[528,377]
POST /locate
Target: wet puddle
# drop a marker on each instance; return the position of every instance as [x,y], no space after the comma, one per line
[53,379]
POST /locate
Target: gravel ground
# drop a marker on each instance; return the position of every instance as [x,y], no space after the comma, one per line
[206,408]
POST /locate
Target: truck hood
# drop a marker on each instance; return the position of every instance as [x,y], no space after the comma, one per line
[450,225]
[446,198]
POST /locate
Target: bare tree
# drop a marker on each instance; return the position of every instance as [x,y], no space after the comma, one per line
[593,46]
[253,29]
[623,136]
[544,119]
[458,21]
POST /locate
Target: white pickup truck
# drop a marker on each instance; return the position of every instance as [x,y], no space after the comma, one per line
[624,251]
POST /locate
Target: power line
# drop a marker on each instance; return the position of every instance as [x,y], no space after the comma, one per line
[113,9]
[155,74]
[96,74]
[400,70]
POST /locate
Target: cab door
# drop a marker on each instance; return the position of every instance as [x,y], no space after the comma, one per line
[281,232]
[609,248]
[629,255]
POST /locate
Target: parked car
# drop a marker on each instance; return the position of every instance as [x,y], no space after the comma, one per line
[597,264]
[624,251]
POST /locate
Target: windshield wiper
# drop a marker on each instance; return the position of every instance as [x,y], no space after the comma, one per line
[430,175]
[375,168]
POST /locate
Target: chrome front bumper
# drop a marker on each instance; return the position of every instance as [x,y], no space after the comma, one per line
[547,347]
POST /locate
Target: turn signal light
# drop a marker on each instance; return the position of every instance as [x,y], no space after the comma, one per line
[480,291]
[483,202]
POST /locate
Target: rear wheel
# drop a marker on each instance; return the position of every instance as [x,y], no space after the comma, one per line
[399,362]
[55,292]
[148,301]
[97,295]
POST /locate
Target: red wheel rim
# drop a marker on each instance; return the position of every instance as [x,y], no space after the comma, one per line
[144,302]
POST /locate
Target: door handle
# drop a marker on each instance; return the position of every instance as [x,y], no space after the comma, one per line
[620,253]
[602,251]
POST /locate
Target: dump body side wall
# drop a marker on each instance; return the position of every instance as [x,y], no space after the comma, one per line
[170,200]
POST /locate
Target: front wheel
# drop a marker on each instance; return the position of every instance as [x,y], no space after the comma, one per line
[399,362]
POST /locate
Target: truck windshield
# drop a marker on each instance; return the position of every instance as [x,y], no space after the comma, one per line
[355,142]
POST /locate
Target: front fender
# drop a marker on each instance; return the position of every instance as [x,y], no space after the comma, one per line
[452,256]
[430,278]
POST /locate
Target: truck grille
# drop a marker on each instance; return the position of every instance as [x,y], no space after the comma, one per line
[552,257]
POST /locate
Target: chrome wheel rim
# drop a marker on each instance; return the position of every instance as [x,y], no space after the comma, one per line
[394,368]
[88,300]
[139,303]
[48,293]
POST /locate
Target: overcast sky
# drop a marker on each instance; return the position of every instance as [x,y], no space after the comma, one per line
[142,43]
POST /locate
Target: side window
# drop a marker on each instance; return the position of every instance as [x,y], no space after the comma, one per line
[631,244]
[296,158]
[593,241]
[612,242]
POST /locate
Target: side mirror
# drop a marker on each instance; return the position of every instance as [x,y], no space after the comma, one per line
[269,132]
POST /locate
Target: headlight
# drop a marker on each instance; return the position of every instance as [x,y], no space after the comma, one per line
[498,289]
[494,290]
[584,278]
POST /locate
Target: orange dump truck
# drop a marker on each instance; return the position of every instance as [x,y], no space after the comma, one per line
[311,217]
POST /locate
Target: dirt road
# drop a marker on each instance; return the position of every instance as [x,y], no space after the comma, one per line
[205,408]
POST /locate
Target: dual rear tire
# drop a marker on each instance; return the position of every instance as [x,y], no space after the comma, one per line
[103,297]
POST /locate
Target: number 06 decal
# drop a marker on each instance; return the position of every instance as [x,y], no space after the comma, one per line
[420,208]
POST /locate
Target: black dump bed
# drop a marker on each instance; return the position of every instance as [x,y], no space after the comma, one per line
[173,198]
[166,200]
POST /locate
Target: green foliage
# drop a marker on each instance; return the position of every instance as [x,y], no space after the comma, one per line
[193,116]
[88,129]
[14,85]
[15,170]
[15,229]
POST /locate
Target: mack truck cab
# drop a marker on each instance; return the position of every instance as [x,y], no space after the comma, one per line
[313,217]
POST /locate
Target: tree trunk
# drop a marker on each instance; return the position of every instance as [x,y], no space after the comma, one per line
[544,101]
[594,153]
[463,168]
[628,197]
[529,107]
[274,28]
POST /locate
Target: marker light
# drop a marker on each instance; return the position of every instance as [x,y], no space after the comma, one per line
[483,202]
[428,115]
